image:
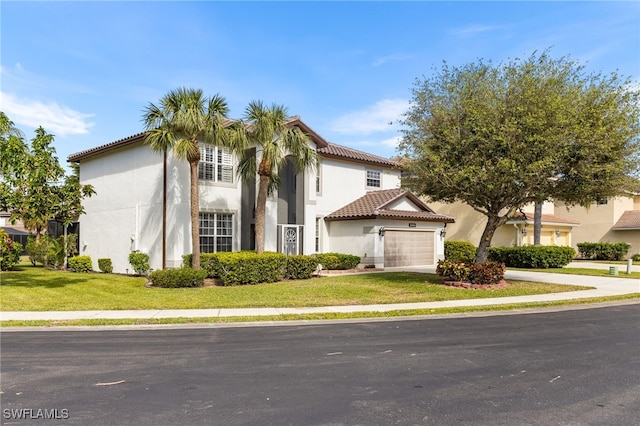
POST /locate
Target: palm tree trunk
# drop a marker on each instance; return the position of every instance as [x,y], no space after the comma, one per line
[195,215]
[260,212]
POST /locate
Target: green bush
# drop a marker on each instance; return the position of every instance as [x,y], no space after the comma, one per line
[462,251]
[453,270]
[208,262]
[300,267]
[139,262]
[489,272]
[603,251]
[50,251]
[36,250]
[246,267]
[533,256]
[9,252]
[636,257]
[105,265]
[337,261]
[177,278]
[81,263]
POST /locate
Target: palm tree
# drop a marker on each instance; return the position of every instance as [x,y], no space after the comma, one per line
[268,129]
[184,118]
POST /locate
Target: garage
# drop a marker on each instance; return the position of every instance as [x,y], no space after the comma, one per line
[408,248]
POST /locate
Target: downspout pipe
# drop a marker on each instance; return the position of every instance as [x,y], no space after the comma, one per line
[164,211]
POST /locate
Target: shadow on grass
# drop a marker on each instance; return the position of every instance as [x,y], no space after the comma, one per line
[34,276]
[391,277]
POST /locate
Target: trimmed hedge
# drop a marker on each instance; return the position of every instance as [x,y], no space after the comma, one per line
[208,263]
[248,267]
[105,265]
[139,262]
[460,251]
[533,256]
[245,267]
[300,267]
[487,273]
[603,251]
[177,278]
[80,263]
[337,261]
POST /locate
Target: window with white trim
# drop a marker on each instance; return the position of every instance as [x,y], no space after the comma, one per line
[216,232]
[374,179]
[318,178]
[318,234]
[216,164]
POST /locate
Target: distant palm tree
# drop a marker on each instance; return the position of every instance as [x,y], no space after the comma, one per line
[278,142]
[184,118]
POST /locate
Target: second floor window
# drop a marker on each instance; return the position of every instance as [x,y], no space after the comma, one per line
[216,164]
[373,179]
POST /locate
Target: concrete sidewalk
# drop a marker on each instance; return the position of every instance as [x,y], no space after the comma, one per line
[604,286]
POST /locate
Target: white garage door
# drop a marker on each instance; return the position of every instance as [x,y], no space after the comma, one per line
[408,248]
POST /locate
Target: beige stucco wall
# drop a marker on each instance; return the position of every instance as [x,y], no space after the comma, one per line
[598,219]
[470,225]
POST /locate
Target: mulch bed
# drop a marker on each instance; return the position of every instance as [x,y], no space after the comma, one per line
[461,284]
[326,272]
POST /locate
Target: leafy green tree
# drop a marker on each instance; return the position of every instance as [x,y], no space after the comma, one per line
[183,119]
[34,187]
[500,137]
[277,142]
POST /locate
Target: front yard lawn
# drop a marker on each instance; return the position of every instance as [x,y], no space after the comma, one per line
[37,289]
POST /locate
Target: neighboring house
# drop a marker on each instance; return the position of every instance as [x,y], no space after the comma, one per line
[613,220]
[16,231]
[142,203]
[518,231]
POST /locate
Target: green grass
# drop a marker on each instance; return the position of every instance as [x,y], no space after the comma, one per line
[522,307]
[37,289]
[584,271]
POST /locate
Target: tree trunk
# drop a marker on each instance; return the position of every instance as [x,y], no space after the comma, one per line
[261,206]
[493,222]
[537,223]
[195,215]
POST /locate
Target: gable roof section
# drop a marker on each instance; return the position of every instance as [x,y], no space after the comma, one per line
[375,205]
[343,153]
[630,220]
[139,138]
[548,219]
[120,143]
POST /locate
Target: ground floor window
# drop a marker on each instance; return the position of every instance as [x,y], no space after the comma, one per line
[318,234]
[216,232]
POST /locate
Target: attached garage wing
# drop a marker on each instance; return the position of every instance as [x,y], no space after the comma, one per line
[408,248]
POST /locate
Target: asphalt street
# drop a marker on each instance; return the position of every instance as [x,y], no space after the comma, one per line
[571,367]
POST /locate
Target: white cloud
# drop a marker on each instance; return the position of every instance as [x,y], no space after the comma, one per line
[376,118]
[380,60]
[54,118]
[474,30]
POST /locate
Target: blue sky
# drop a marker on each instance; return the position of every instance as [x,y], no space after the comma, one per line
[86,70]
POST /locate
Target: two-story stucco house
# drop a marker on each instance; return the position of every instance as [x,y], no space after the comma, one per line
[351,203]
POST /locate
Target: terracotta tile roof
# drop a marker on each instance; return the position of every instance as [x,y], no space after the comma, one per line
[139,137]
[342,152]
[375,204]
[628,221]
[546,218]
